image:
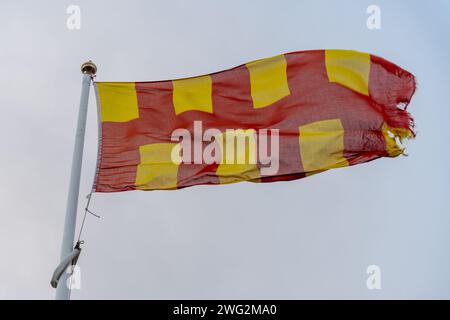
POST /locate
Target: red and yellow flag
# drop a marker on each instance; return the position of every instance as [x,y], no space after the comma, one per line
[298,114]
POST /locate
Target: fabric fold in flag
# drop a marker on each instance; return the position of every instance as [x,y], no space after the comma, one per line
[275,119]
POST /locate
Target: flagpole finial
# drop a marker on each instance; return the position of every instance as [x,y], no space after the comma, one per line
[89,68]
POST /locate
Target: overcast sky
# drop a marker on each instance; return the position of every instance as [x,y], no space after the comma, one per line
[310,238]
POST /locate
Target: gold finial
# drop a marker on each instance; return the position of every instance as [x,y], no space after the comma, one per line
[89,68]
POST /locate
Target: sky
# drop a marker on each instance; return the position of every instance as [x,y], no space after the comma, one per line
[305,239]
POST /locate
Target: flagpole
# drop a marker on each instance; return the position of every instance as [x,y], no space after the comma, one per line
[88,69]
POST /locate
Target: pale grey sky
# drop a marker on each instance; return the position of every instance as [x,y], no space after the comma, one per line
[311,238]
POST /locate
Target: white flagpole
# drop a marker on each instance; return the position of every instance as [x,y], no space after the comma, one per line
[88,69]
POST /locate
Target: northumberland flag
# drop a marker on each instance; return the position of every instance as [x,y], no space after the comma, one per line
[280,118]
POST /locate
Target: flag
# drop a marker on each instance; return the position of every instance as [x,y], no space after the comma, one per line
[275,119]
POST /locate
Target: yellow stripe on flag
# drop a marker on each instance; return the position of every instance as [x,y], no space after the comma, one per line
[118,101]
[349,68]
[192,94]
[268,81]
[156,169]
[322,145]
[391,135]
[238,156]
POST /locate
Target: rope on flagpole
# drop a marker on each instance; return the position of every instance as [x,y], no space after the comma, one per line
[80,242]
[86,211]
